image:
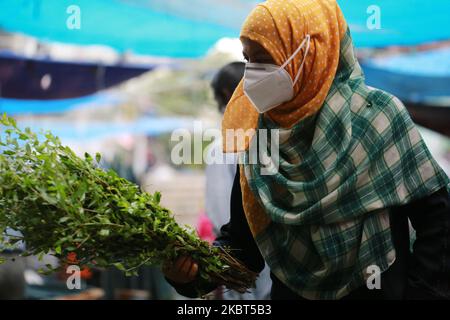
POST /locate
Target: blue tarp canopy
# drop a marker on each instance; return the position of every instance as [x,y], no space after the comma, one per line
[43,78]
[20,107]
[150,126]
[421,80]
[403,22]
[180,28]
[123,25]
[415,77]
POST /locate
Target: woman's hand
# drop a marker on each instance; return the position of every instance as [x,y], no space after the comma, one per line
[183,271]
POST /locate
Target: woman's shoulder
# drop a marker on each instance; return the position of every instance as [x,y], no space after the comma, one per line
[384,99]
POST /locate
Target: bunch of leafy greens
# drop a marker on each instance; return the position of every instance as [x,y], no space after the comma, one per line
[63,205]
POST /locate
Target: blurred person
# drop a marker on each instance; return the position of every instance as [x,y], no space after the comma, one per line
[220,177]
[218,195]
[12,271]
[12,280]
[353,169]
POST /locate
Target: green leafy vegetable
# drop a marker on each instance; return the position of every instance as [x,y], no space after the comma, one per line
[62,204]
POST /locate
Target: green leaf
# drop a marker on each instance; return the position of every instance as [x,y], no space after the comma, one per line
[12,122]
[58,250]
[157,197]
[104,232]
[98,157]
[4,119]
[180,239]
[64,219]
[49,199]
[119,266]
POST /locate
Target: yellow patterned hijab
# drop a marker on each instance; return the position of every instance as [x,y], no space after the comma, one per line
[280,26]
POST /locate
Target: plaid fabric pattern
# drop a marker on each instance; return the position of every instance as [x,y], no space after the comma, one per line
[339,173]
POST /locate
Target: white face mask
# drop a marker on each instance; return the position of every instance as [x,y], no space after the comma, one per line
[268,85]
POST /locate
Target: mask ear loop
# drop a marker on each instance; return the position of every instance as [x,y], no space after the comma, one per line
[307,40]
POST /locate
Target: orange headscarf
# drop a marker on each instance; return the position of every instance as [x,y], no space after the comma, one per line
[280,26]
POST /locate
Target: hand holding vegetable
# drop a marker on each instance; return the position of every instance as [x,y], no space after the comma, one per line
[183,271]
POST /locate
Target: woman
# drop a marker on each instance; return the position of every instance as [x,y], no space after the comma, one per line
[352,169]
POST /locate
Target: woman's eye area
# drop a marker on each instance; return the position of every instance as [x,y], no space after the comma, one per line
[259,59]
[255,53]
[264,59]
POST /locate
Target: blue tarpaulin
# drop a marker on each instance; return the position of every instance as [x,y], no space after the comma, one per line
[121,25]
[415,77]
[402,22]
[43,78]
[20,107]
[433,63]
[180,28]
[83,132]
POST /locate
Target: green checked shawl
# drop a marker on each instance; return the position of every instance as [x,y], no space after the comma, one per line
[339,173]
